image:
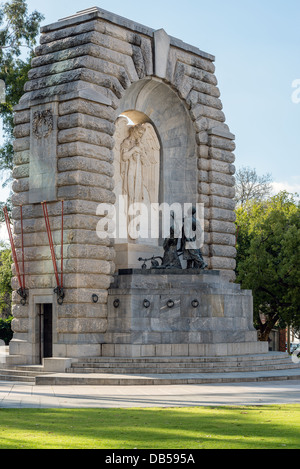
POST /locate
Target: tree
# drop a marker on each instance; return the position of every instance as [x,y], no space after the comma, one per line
[251,186]
[5,280]
[18,36]
[268,260]
[7,204]
[6,333]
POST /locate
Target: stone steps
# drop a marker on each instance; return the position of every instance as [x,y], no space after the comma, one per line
[179,370]
[170,370]
[258,359]
[182,365]
[94,379]
[199,365]
[271,356]
[124,371]
[17,378]
[23,373]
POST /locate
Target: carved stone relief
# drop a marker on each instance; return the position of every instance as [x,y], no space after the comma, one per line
[42,124]
[137,163]
[43,148]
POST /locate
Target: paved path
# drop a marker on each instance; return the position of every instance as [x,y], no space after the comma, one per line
[20,395]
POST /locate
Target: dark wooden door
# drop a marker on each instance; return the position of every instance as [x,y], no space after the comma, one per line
[47,331]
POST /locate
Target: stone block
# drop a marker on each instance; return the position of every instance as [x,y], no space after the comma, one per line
[221,178]
[56,365]
[223,251]
[162,49]
[83,149]
[222,191]
[81,325]
[22,117]
[127,350]
[108,350]
[222,214]
[20,325]
[148,350]
[221,155]
[20,347]
[180,350]
[22,130]
[85,178]
[21,144]
[87,107]
[21,157]
[20,172]
[88,310]
[19,311]
[163,350]
[83,350]
[223,263]
[91,165]
[223,227]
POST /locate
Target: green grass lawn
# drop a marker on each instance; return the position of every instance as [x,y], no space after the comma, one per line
[261,427]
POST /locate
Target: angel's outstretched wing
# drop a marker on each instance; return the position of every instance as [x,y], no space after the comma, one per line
[151,166]
[121,134]
[151,144]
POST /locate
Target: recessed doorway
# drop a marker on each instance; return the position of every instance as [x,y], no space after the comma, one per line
[45,315]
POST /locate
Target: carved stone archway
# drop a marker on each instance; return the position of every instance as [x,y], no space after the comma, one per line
[153,103]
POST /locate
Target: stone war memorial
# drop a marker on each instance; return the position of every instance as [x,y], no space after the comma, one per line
[119,135]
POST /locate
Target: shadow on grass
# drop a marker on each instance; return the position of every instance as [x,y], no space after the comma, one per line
[266,427]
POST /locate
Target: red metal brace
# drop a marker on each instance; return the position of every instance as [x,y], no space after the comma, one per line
[59,290]
[22,292]
[22,245]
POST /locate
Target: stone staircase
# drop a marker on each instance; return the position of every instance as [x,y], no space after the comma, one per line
[179,365]
[103,371]
[22,373]
[113,371]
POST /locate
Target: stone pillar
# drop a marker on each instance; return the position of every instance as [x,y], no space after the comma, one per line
[83,159]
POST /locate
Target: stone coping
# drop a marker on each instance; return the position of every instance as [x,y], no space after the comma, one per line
[96,12]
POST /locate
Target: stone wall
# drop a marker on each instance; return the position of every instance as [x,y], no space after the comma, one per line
[83,68]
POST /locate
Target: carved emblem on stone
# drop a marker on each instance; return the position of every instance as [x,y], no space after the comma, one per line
[42,124]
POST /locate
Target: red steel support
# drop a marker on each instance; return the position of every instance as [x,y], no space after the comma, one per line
[59,289]
[13,250]
[22,291]
[46,216]
[62,244]
[22,244]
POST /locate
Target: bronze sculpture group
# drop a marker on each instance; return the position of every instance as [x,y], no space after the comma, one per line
[174,247]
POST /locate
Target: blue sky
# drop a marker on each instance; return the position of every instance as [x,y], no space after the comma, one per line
[257,49]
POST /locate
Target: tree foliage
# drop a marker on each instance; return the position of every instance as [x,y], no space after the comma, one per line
[6,333]
[5,281]
[268,261]
[250,186]
[18,35]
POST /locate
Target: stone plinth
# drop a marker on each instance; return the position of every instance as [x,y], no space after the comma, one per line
[179,313]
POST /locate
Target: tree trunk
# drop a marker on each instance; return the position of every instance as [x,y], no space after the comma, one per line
[265,329]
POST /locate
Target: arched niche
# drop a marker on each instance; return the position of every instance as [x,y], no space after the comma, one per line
[154,103]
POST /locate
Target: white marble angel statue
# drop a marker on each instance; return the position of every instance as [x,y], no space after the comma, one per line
[139,163]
